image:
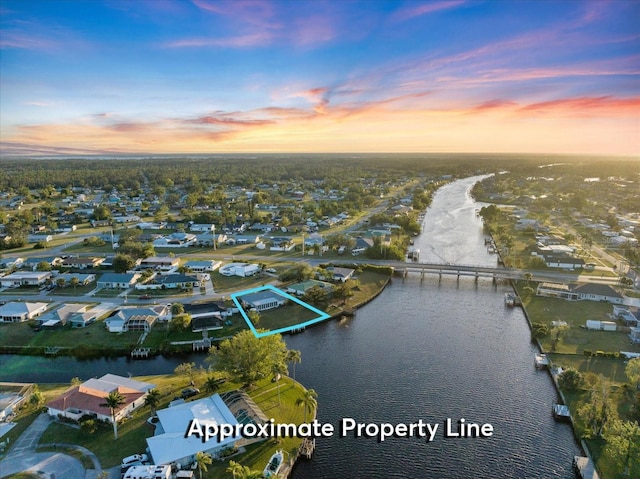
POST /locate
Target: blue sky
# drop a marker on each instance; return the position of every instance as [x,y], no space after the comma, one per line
[180,76]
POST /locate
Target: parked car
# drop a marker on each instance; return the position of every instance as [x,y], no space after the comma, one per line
[189,392]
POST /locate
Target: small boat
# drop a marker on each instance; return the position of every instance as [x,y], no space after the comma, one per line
[274,465]
[541,361]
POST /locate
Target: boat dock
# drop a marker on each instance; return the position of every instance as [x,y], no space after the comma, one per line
[585,467]
[140,353]
[541,361]
[307,447]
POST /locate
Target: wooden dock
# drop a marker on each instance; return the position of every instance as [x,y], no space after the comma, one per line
[307,447]
[585,467]
[140,353]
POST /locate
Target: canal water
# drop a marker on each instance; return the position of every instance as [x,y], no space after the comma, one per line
[426,349]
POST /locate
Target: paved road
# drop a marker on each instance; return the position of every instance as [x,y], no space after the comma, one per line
[22,456]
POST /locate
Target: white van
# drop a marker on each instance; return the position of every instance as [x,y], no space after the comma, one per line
[133,460]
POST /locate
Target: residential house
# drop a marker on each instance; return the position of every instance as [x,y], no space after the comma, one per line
[82,263]
[171,445]
[88,399]
[136,318]
[37,238]
[176,240]
[563,262]
[299,289]
[163,263]
[61,315]
[12,397]
[580,292]
[202,228]
[281,244]
[83,279]
[16,312]
[118,280]
[263,300]
[362,244]
[343,274]
[170,281]
[556,290]
[239,269]
[598,292]
[202,266]
[32,263]
[25,278]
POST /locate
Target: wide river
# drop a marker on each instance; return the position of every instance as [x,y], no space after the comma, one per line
[425,349]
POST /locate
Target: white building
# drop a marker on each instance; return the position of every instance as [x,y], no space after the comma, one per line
[239,269]
[171,445]
[16,312]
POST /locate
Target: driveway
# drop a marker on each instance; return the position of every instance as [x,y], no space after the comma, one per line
[22,456]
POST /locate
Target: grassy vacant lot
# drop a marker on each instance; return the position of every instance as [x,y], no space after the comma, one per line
[95,336]
[133,432]
[576,314]
[613,369]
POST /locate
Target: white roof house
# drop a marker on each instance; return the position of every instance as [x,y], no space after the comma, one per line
[16,312]
[170,444]
[29,278]
[239,269]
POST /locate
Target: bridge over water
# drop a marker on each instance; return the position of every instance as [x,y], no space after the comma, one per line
[492,272]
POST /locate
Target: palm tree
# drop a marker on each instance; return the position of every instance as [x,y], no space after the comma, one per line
[203,460]
[308,401]
[235,468]
[152,400]
[113,401]
[294,356]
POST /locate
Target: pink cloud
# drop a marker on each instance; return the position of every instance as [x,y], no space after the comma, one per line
[424,8]
[587,106]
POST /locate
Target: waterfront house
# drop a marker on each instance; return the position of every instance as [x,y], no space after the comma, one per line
[343,274]
[89,398]
[580,292]
[299,289]
[171,444]
[137,319]
[598,292]
[16,312]
[556,290]
[118,280]
[263,300]
[61,315]
[12,397]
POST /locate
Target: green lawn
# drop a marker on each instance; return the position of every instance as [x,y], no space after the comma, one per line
[576,314]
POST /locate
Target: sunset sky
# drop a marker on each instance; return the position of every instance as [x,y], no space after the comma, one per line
[208,76]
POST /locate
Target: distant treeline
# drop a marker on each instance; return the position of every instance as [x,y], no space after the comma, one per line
[242,170]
